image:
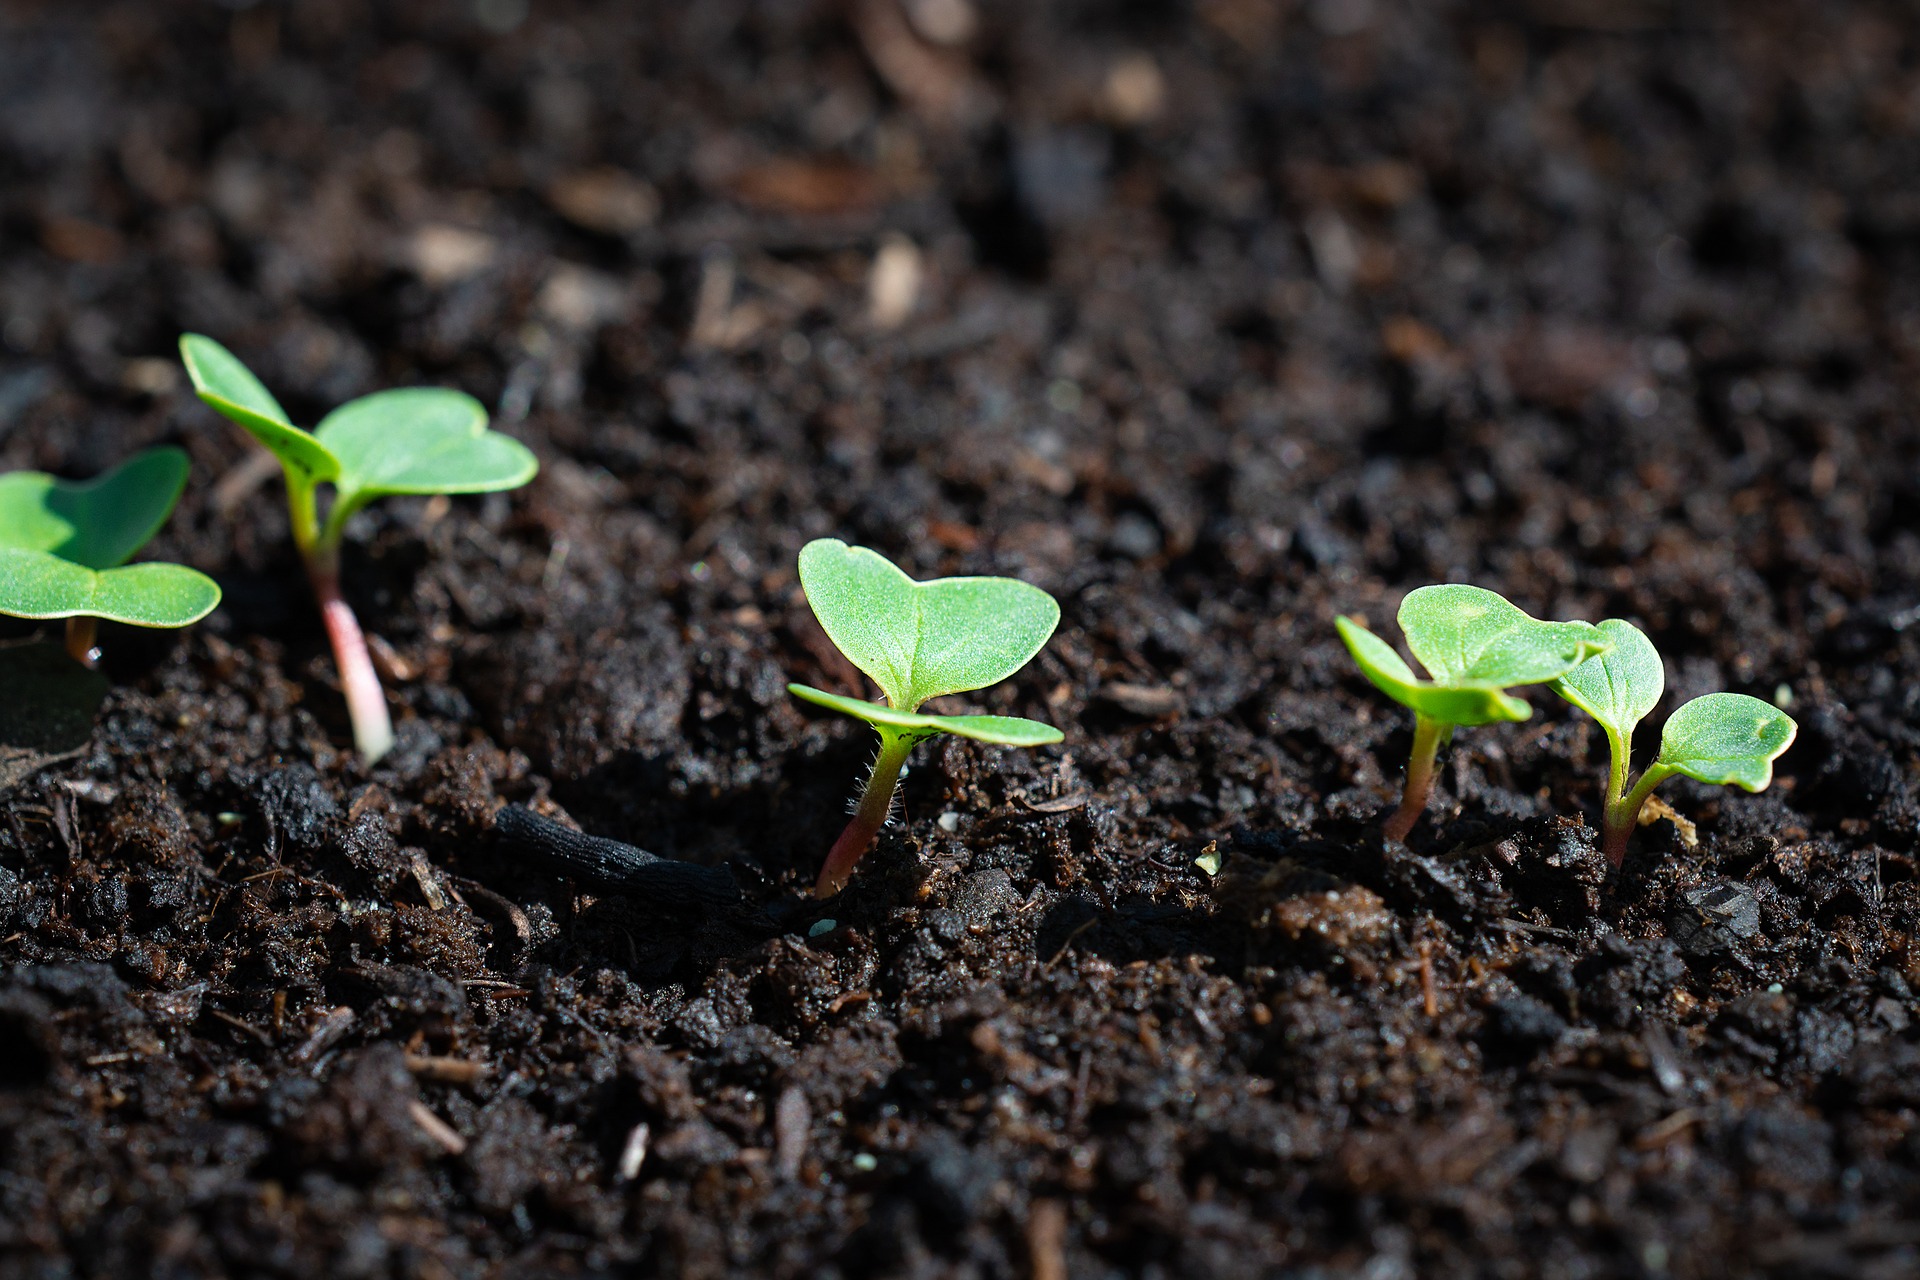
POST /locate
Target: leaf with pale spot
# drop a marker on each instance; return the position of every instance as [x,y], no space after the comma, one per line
[1005,731]
[919,640]
[1726,739]
[1469,635]
[39,584]
[1620,687]
[98,523]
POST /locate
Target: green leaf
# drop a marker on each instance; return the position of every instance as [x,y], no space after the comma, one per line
[1006,731]
[1726,738]
[1619,688]
[100,522]
[919,640]
[39,584]
[1463,704]
[229,388]
[1465,634]
[421,440]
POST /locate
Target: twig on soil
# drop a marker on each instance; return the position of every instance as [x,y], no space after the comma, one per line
[1077,1103]
[792,1121]
[1521,926]
[1064,804]
[1667,1130]
[1084,926]
[634,1153]
[243,1025]
[1427,995]
[447,1070]
[331,1027]
[439,1131]
[1046,1240]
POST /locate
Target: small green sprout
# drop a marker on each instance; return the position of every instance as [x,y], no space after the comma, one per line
[917,640]
[419,440]
[1475,645]
[64,547]
[1721,739]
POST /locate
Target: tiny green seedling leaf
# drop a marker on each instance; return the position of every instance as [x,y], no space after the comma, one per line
[416,440]
[64,546]
[917,640]
[1720,739]
[229,388]
[1726,739]
[100,522]
[1617,688]
[1469,635]
[1475,645]
[420,440]
[1448,704]
[1004,731]
[39,584]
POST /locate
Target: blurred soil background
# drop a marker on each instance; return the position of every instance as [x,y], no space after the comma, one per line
[1213,319]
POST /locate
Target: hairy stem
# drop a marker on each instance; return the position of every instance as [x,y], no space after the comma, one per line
[1623,813]
[1427,737]
[366,701]
[875,804]
[82,646]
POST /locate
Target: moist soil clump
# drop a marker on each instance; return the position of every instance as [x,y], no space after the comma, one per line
[1211,320]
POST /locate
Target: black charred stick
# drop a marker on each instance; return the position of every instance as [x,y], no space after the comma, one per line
[607,866]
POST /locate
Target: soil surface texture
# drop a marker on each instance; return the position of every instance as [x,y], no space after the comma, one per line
[1213,319]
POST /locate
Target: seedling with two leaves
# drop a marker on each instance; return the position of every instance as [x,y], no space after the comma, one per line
[1475,646]
[917,640]
[1720,739]
[420,440]
[64,547]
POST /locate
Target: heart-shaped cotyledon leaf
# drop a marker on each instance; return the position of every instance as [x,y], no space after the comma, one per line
[39,584]
[919,640]
[97,523]
[229,388]
[1461,704]
[1726,739]
[1469,635]
[1617,688]
[416,440]
[1005,731]
[1474,644]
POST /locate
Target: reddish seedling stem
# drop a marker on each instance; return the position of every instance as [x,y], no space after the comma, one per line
[875,804]
[1427,736]
[366,701]
[83,640]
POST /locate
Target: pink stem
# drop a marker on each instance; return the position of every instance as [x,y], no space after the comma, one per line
[875,804]
[366,701]
[82,640]
[1413,799]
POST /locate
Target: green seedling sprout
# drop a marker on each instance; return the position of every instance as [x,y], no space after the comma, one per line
[917,640]
[420,440]
[1475,645]
[1720,739]
[64,547]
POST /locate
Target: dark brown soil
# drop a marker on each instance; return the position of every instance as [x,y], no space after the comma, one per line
[1230,316]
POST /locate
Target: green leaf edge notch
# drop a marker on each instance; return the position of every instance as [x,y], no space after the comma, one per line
[1005,731]
[228,387]
[49,570]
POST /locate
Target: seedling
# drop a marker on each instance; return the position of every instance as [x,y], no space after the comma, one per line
[419,440]
[1721,739]
[917,640]
[64,547]
[1476,646]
